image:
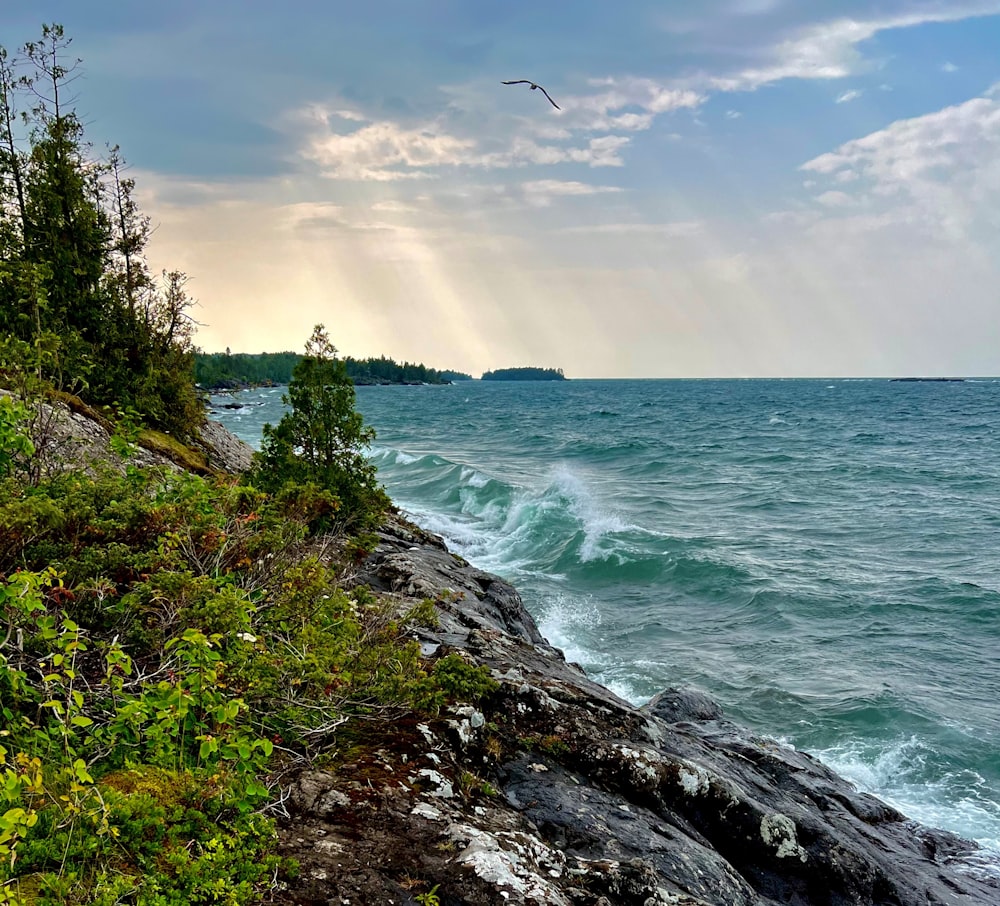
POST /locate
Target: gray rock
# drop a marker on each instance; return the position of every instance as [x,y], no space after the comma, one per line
[680,705]
[224,451]
[669,803]
[315,793]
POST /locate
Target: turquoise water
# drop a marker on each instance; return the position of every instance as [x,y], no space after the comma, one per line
[820,556]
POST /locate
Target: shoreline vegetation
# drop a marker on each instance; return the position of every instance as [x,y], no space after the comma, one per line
[237,371]
[172,642]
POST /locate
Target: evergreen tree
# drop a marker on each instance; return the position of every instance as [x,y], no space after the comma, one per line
[72,253]
[322,440]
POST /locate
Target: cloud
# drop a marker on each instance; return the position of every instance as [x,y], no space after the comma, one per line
[849,96]
[833,199]
[384,151]
[948,67]
[394,206]
[942,169]
[677,229]
[627,104]
[829,50]
[541,192]
[345,145]
[598,152]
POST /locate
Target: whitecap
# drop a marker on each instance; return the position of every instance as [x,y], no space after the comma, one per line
[474,478]
[957,801]
[563,619]
[595,520]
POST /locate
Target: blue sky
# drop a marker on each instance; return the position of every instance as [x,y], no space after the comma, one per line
[730,188]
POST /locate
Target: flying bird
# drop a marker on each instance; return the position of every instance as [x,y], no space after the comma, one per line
[533,87]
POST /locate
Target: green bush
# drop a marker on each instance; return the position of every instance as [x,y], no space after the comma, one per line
[164,639]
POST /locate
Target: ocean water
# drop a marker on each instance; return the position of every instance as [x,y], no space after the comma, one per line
[822,557]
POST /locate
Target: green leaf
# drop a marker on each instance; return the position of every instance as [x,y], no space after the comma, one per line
[81,772]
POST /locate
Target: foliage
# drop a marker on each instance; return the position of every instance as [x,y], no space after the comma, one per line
[386,371]
[525,374]
[72,245]
[165,641]
[15,445]
[226,370]
[321,441]
[429,898]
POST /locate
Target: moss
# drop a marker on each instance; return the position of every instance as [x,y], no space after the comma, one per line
[77,405]
[174,450]
[166,788]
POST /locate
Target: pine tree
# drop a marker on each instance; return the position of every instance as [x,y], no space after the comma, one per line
[323,438]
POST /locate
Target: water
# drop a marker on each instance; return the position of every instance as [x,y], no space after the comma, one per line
[820,556]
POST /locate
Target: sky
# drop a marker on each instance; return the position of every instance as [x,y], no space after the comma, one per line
[729,188]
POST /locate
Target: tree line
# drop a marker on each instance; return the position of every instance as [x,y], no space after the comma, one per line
[78,303]
[525,374]
[220,370]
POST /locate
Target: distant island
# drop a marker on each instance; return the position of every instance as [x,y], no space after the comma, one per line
[525,374]
[232,370]
[926,380]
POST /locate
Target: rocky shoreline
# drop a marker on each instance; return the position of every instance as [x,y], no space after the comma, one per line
[555,791]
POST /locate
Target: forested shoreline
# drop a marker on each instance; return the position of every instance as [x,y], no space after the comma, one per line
[226,370]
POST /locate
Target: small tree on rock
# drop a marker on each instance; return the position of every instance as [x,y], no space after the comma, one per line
[322,440]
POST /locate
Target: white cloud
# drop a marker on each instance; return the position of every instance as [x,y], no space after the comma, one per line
[656,230]
[599,152]
[541,192]
[829,50]
[394,206]
[833,199]
[849,96]
[942,169]
[949,67]
[647,94]
[627,104]
[385,151]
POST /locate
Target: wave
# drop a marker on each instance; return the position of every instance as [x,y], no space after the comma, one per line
[912,776]
[553,523]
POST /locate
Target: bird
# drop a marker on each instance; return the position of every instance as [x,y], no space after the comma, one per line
[533,87]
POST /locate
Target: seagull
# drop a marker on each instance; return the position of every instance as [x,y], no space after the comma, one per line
[533,87]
